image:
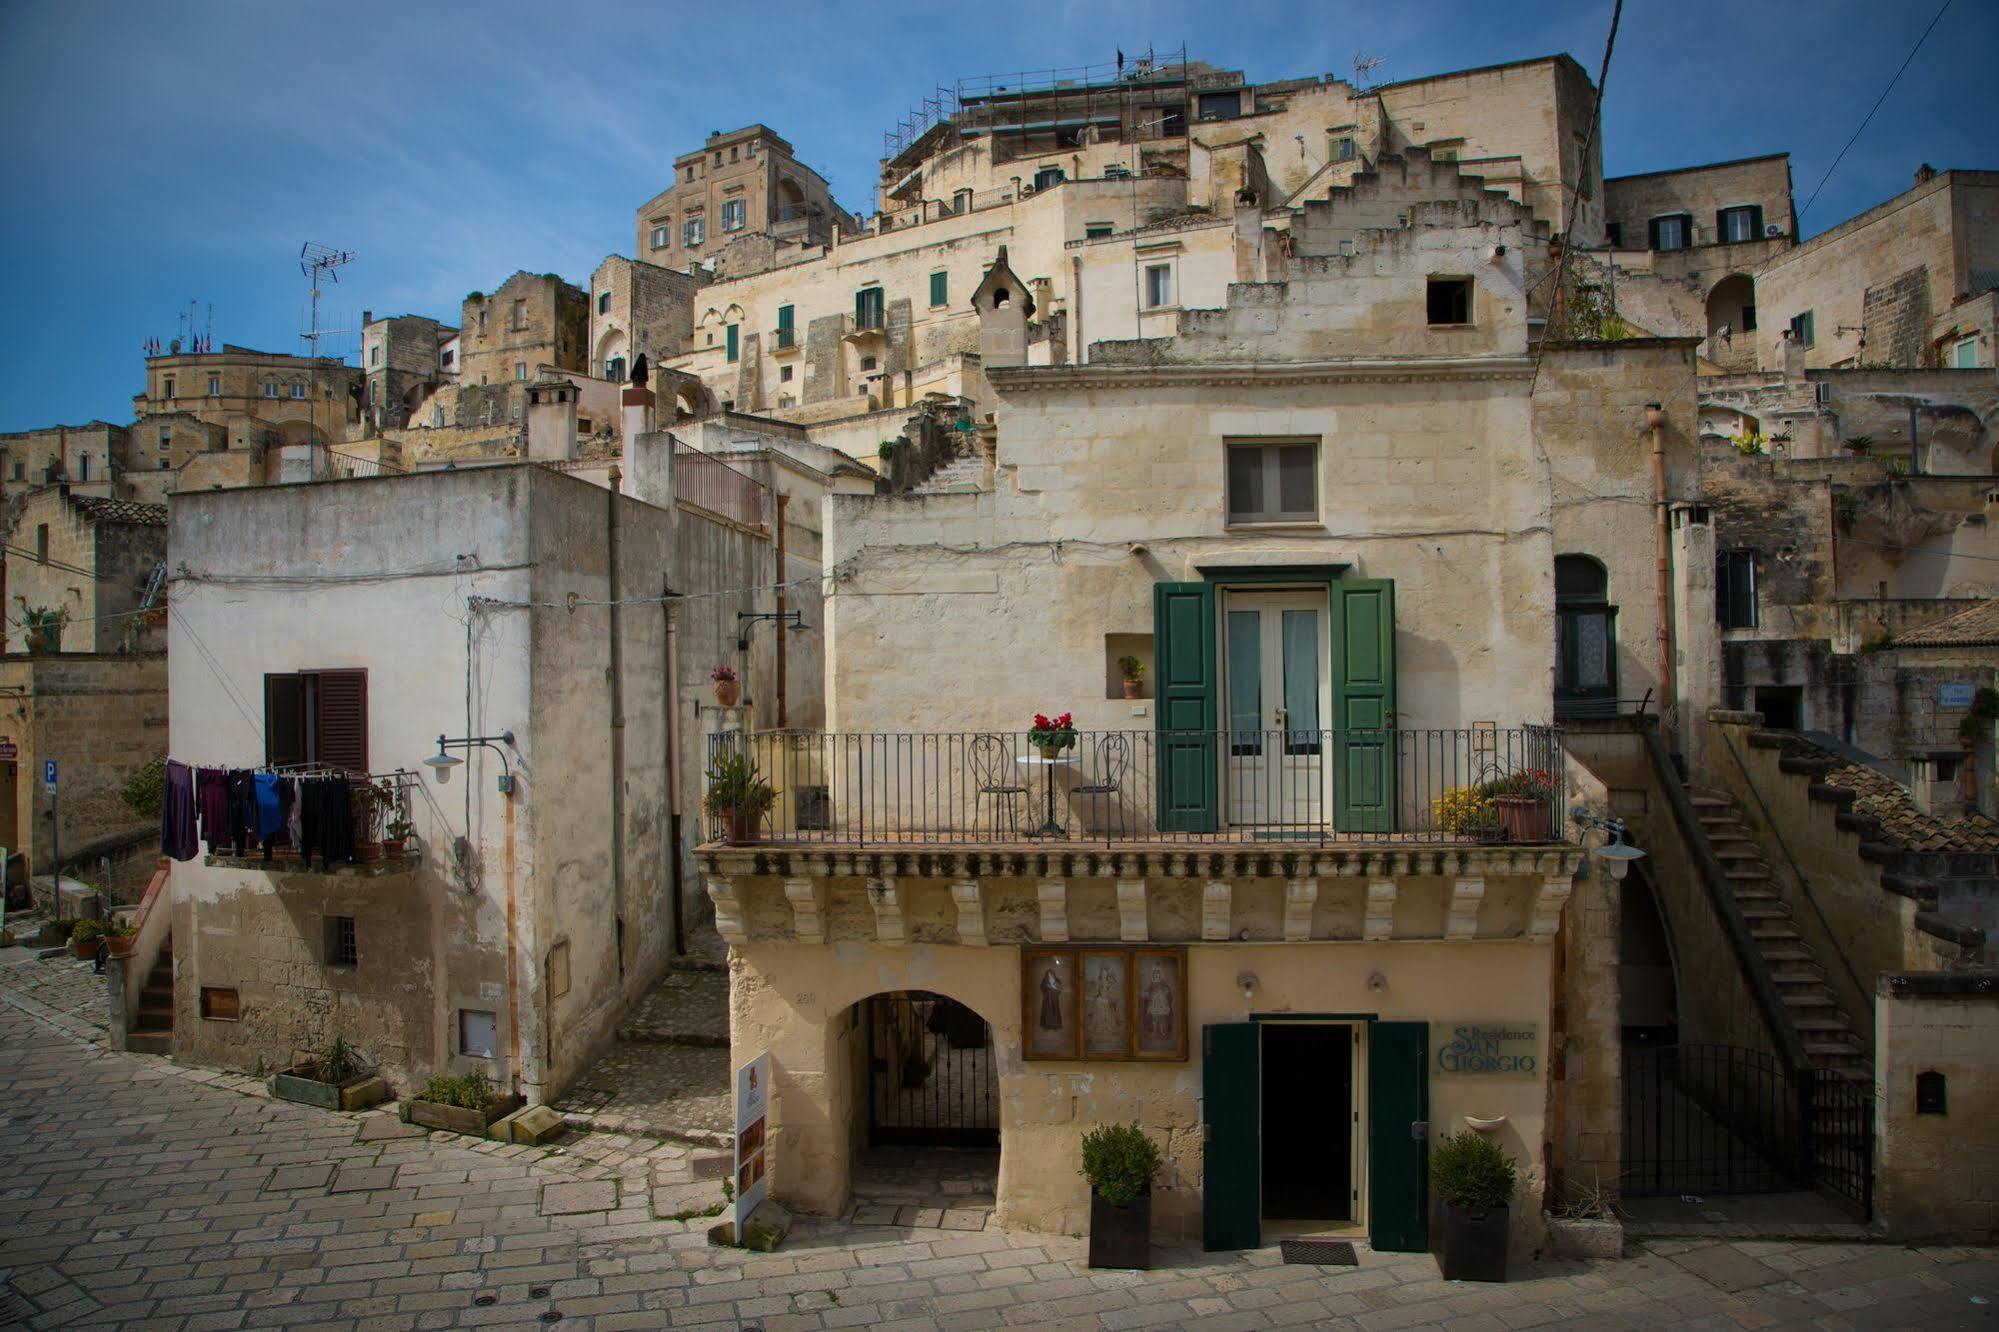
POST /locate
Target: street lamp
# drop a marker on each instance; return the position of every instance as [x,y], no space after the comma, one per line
[443,761]
[1615,853]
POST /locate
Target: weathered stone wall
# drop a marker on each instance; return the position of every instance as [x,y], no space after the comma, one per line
[1633,201]
[532,320]
[1934,1177]
[87,454]
[259,397]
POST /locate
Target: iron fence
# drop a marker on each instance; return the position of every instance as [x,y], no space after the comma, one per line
[707,482]
[1280,786]
[931,1075]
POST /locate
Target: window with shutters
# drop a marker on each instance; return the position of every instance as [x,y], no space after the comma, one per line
[1742,223]
[734,341]
[317,717]
[1735,589]
[868,306]
[1674,231]
[1273,481]
[1803,330]
[940,286]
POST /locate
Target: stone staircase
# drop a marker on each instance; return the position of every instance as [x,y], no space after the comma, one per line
[1829,1037]
[154,1033]
[963,475]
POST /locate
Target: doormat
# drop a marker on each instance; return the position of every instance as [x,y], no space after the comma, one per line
[1337,1253]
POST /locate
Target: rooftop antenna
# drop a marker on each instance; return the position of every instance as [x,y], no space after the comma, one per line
[316,262]
[1364,65]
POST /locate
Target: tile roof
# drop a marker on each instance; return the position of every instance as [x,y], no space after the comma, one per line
[1976,627]
[120,511]
[1889,804]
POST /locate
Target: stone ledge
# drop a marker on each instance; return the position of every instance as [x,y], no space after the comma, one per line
[367,869]
[1161,862]
[1971,983]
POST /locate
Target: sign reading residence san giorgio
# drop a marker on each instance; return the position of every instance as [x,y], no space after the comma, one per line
[1487,1047]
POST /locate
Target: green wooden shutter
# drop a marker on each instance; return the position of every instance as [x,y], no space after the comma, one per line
[1364,740]
[1231,1185]
[940,285]
[1184,686]
[1398,1099]
[732,341]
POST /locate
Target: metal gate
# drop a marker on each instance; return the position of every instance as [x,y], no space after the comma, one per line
[1718,1119]
[931,1080]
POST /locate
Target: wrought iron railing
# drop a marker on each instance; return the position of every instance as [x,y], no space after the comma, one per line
[1279,787]
[330,464]
[705,481]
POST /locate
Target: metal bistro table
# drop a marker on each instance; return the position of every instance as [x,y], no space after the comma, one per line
[1050,828]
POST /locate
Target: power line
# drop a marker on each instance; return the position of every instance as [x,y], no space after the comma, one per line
[1575,193]
[1876,107]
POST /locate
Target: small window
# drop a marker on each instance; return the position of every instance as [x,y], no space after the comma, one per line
[1675,231]
[1272,482]
[784,374]
[734,214]
[1450,300]
[868,303]
[520,369]
[690,173]
[20,471]
[659,236]
[270,389]
[83,464]
[614,369]
[437,415]
[961,201]
[733,335]
[1802,330]
[1964,356]
[166,437]
[1097,230]
[1048,177]
[1613,232]
[1932,1093]
[1748,319]
[41,543]
[1342,149]
[603,302]
[584,425]
[1735,225]
[478,1033]
[693,231]
[1735,589]
[298,391]
[867,363]
[718,157]
[166,463]
[215,386]
[220,1005]
[520,315]
[341,947]
[1158,285]
[940,284]
[786,336]
[167,387]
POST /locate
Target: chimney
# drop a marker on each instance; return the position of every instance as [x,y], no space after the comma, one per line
[1925,174]
[367,318]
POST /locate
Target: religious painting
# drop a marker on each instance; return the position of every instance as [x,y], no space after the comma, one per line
[1051,1003]
[1106,1006]
[1159,1006]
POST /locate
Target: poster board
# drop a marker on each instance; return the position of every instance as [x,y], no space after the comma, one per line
[751,1174]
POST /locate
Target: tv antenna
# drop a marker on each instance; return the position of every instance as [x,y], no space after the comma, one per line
[1364,65]
[319,262]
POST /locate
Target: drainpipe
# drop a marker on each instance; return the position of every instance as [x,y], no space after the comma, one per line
[521,1076]
[670,667]
[782,500]
[1662,572]
[1076,308]
[615,678]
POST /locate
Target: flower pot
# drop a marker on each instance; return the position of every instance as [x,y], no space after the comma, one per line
[121,945]
[1121,1233]
[301,1083]
[740,826]
[85,948]
[392,848]
[727,692]
[1474,1244]
[435,1114]
[1524,818]
[1132,688]
[367,851]
[1050,752]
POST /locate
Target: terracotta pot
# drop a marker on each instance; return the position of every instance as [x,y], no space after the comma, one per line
[740,826]
[728,691]
[366,851]
[1524,818]
[1132,688]
[1050,752]
[392,847]
[121,945]
[84,949]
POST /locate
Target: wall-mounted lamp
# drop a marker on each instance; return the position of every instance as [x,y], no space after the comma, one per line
[443,761]
[1378,983]
[1246,981]
[1615,853]
[747,620]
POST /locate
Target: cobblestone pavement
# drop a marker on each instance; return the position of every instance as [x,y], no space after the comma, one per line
[64,984]
[667,1074]
[139,1193]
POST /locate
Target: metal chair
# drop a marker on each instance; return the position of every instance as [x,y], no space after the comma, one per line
[1113,757]
[994,774]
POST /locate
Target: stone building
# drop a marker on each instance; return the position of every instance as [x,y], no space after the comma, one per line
[403,359]
[637,309]
[261,399]
[738,185]
[533,320]
[86,458]
[91,562]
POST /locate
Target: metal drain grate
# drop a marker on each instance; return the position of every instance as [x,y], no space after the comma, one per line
[1321,1252]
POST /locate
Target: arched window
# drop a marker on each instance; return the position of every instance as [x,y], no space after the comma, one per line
[1585,636]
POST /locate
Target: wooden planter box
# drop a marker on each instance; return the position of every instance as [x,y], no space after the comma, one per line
[432,1114]
[1121,1233]
[301,1083]
[1474,1244]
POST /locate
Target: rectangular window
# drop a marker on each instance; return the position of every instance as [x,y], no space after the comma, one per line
[215,386]
[167,387]
[270,389]
[520,369]
[166,437]
[693,231]
[603,302]
[786,335]
[1048,177]
[1450,300]
[1675,231]
[478,1033]
[1735,589]
[1614,233]
[940,284]
[298,390]
[1964,356]
[83,464]
[1743,223]
[1272,482]
[1343,149]
[220,1005]
[1158,285]
[558,970]
[731,337]
[520,315]
[41,543]
[374,356]
[661,237]
[342,949]
[1748,319]
[868,302]
[1221,105]
[784,374]
[317,717]
[734,214]
[1097,230]
[961,201]
[1803,331]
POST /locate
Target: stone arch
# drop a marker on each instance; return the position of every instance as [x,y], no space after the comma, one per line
[690,398]
[613,346]
[1731,318]
[789,197]
[299,431]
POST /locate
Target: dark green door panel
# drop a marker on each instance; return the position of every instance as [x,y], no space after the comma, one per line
[1231,1199]
[1398,1097]
[1364,770]
[1184,684]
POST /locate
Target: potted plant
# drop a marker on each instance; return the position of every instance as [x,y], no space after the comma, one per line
[1120,1163]
[1050,736]
[395,839]
[464,1103]
[1132,671]
[1524,801]
[1859,444]
[1473,1179]
[738,795]
[84,937]
[44,625]
[120,937]
[727,688]
[334,1079]
[1464,811]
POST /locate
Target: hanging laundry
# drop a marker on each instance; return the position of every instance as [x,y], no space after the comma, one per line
[177,813]
[288,799]
[211,798]
[269,817]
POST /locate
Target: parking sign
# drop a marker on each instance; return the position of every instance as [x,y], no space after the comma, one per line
[49,775]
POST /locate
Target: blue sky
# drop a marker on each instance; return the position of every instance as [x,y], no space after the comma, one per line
[151,153]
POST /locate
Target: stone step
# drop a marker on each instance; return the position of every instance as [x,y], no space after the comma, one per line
[1817,998]
[1827,1019]
[149,1042]
[157,996]
[1763,910]
[1775,933]
[1774,951]
[1792,976]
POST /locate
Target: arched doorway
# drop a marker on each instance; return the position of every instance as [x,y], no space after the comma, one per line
[1731,320]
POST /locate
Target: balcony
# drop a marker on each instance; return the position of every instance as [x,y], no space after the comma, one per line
[379,805]
[784,341]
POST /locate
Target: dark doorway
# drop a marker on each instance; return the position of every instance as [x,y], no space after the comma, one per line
[1782,706]
[931,1080]
[1308,1119]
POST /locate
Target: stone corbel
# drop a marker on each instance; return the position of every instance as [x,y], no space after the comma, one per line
[1466,894]
[1380,921]
[1217,904]
[728,909]
[971,912]
[1548,903]
[1054,895]
[887,900]
[1132,926]
[1300,896]
[808,909]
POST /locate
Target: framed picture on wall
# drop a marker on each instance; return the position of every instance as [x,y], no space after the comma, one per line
[1098,1002]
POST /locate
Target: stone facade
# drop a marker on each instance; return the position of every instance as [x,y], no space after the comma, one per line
[88,457]
[89,559]
[738,185]
[1703,193]
[260,398]
[402,358]
[637,309]
[1933,1139]
[533,320]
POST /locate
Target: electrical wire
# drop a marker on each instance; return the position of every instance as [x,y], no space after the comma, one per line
[1871,110]
[1574,192]
[453,570]
[45,562]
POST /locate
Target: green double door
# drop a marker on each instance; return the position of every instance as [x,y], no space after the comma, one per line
[1197,742]
[1235,1090]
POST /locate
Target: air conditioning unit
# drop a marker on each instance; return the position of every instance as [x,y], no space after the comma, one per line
[1773,230]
